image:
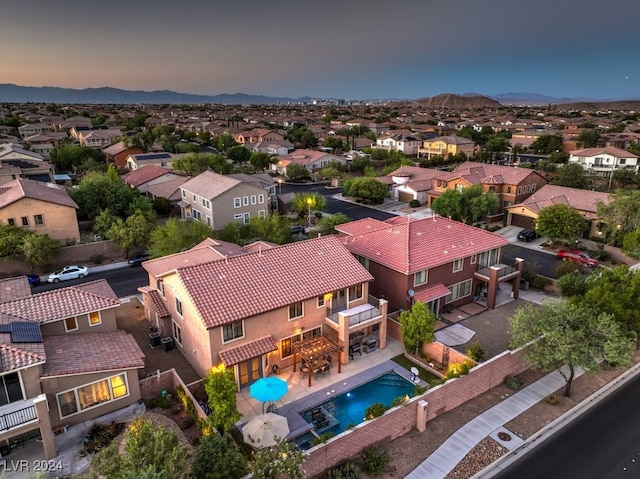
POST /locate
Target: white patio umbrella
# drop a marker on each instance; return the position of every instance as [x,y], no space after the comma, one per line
[262,430]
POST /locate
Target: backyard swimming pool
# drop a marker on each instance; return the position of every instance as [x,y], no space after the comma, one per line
[347,409]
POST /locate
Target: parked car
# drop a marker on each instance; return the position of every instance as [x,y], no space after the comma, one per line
[579,257]
[527,235]
[34,279]
[68,272]
[137,261]
[297,230]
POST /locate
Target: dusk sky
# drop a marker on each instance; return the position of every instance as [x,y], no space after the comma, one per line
[401,49]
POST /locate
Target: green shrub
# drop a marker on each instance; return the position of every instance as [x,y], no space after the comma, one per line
[512,382]
[572,284]
[96,259]
[599,254]
[455,370]
[398,401]
[414,204]
[375,460]
[218,457]
[567,267]
[375,410]
[322,438]
[476,352]
[346,470]
[540,282]
[419,390]
[552,399]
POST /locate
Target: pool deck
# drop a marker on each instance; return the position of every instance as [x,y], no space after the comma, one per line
[301,397]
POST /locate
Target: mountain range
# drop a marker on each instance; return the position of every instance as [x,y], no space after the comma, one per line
[106,95]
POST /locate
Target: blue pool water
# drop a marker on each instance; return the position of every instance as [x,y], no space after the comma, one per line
[347,409]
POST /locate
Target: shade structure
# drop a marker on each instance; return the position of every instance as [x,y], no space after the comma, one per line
[268,389]
[265,429]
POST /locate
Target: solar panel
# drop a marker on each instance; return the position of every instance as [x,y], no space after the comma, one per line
[5,328]
[153,156]
[26,332]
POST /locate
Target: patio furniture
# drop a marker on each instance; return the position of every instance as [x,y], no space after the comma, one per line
[355,349]
[369,345]
[272,408]
[304,371]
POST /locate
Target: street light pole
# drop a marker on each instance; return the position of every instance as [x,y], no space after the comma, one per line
[309,210]
[279,186]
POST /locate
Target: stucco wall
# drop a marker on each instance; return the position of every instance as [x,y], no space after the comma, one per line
[59,222]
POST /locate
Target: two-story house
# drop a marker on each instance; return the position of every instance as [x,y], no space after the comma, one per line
[407,144]
[510,185]
[446,146]
[258,135]
[255,310]
[16,162]
[436,260]
[217,200]
[409,183]
[312,160]
[604,161]
[99,138]
[63,360]
[43,208]
[117,154]
[154,182]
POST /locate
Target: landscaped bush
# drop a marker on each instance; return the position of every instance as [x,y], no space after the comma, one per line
[476,352]
[398,401]
[347,470]
[100,435]
[512,382]
[375,460]
[573,284]
[218,457]
[599,254]
[455,370]
[540,282]
[552,399]
[375,410]
[419,390]
[567,267]
[414,204]
[322,438]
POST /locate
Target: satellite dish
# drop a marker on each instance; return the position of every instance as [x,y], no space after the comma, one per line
[411,293]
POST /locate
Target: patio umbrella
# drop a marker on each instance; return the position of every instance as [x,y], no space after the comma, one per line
[268,389]
[262,430]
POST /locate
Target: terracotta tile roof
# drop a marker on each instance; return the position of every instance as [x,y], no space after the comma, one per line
[62,303]
[15,356]
[204,252]
[258,246]
[582,200]
[246,351]
[91,352]
[209,184]
[23,188]
[474,173]
[156,300]
[432,292]
[254,283]
[615,152]
[167,189]
[144,174]
[13,288]
[408,245]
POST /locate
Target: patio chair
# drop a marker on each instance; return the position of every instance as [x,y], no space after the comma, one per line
[272,408]
[355,349]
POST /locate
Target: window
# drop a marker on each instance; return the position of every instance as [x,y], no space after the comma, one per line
[208,220]
[38,220]
[473,259]
[488,258]
[420,277]
[254,200]
[70,324]
[179,306]
[161,288]
[177,332]
[364,262]
[355,292]
[194,198]
[25,221]
[459,290]
[261,197]
[11,221]
[184,194]
[509,189]
[92,395]
[232,331]
[10,389]
[245,218]
[94,318]
[238,216]
[295,310]
[459,187]
[321,301]
[457,265]
[285,344]
[237,203]
[262,214]
[245,201]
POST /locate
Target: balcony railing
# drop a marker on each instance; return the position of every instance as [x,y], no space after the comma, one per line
[504,270]
[358,314]
[16,414]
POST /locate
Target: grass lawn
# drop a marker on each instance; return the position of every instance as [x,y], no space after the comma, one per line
[425,375]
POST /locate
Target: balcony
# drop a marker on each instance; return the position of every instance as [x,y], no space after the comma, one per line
[17,414]
[358,314]
[504,272]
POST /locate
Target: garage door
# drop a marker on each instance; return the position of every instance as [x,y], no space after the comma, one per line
[522,221]
[404,196]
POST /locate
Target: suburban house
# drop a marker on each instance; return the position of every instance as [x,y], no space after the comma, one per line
[409,183]
[63,360]
[31,129]
[603,161]
[511,185]
[526,213]
[407,144]
[295,297]
[258,135]
[446,146]
[156,182]
[163,159]
[16,162]
[217,200]
[312,160]
[99,138]
[43,208]
[274,148]
[117,154]
[44,143]
[435,260]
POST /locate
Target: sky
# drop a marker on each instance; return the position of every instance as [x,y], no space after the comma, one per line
[347,49]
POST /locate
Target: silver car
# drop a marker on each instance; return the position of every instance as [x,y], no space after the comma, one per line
[68,272]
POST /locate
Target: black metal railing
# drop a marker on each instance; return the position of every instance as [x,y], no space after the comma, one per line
[17,418]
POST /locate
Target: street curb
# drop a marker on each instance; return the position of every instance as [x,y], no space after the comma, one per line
[554,426]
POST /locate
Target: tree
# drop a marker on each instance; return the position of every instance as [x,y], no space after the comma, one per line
[468,206]
[547,144]
[560,222]
[69,157]
[305,203]
[631,243]
[224,142]
[220,385]
[620,215]
[572,175]
[238,154]
[273,228]
[296,172]
[134,232]
[218,457]
[560,333]
[326,225]
[624,177]
[260,160]
[177,235]
[418,325]
[366,188]
[588,139]
[11,239]
[282,461]
[193,164]
[39,249]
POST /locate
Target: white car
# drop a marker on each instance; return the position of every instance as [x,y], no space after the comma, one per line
[68,272]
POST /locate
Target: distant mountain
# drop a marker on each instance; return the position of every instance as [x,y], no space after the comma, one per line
[536,99]
[106,95]
[449,100]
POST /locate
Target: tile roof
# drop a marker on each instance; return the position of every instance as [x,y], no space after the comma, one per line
[91,352]
[254,283]
[156,300]
[582,200]
[246,351]
[62,303]
[474,173]
[209,184]
[615,152]
[13,288]
[408,245]
[168,189]
[24,188]
[144,174]
[432,292]
[16,356]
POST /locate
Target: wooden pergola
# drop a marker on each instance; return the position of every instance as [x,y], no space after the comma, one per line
[313,348]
